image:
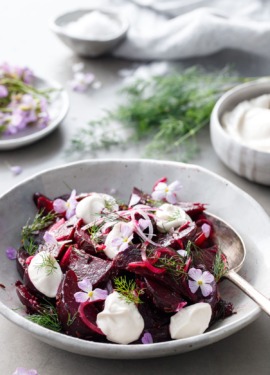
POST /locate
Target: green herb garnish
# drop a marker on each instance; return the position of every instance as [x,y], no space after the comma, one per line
[29,231]
[168,111]
[128,289]
[220,266]
[47,318]
[48,263]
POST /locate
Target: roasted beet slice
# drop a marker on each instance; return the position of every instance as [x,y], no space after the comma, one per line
[83,239]
[192,209]
[163,298]
[63,230]
[85,265]
[29,300]
[22,255]
[57,250]
[43,203]
[68,311]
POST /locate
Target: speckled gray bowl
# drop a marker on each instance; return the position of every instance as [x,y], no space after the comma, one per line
[243,160]
[224,199]
[84,46]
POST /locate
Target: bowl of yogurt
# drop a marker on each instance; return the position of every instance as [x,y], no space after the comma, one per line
[90,32]
[240,130]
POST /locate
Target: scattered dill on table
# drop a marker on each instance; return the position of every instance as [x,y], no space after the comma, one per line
[165,111]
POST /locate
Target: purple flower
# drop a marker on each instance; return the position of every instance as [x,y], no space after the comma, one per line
[143,223]
[88,293]
[11,253]
[147,338]
[69,207]
[182,253]
[24,371]
[200,280]
[16,170]
[3,91]
[125,237]
[206,228]
[27,75]
[24,74]
[170,193]
[49,238]
[81,81]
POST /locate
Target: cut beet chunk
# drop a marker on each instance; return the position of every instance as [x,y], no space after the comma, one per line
[29,300]
[83,239]
[68,310]
[22,255]
[163,298]
[85,265]
[63,230]
[43,203]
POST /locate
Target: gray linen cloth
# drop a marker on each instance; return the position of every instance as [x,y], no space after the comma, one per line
[177,29]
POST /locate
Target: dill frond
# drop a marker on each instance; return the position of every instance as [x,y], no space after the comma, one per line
[128,289]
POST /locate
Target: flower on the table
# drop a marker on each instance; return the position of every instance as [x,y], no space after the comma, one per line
[169,193]
[200,280]
[24,371]
[125,236]
[3,91]
[89,294]
[16,169]
[147,338]
[68,207]
[11,253]
[81,81]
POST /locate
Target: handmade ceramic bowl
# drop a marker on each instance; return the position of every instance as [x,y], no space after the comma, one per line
[200,185]
[242,159]
[84,46]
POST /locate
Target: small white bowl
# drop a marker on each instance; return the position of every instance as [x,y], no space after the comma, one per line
[84,46]
[242,159]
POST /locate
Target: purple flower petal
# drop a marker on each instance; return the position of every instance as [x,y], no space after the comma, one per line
[11,253]
[16,169]
[195,273]
[147,338]
[134,199]
[3,91]
[49,238]
[143,223]
[193,286]
[85,285]
[100,294]
[81,297]
[206,228]
[206,289]
[183,253]
[59,206]
[207,277]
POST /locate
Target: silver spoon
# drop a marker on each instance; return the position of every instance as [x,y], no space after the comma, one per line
[232,245]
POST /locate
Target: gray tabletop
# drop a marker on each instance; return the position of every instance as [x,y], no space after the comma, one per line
[26,40]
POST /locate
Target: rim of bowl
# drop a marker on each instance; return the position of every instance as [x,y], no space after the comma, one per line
[215,120]
[60,30]
[105,350]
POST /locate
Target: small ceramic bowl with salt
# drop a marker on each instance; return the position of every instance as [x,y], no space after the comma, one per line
[90,32]
[240,130]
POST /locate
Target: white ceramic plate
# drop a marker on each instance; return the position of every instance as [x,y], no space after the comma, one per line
[57,107]
[200,185]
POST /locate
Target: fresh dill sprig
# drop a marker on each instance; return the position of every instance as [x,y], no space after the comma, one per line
[29,231]
[167,110]
[174,265]
[48,263]
[128,290]
[220,266]
[71,319]
[47,318]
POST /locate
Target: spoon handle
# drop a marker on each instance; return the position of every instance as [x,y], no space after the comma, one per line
[261,300]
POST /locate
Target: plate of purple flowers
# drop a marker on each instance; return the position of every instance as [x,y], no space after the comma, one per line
[31,107]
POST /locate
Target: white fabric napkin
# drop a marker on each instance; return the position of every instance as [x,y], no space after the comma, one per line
[178,29]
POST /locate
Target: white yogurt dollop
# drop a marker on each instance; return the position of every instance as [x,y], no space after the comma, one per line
[170,216]
[120,321]
[90,208]
[190,321]
[45,273]
[249,123]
